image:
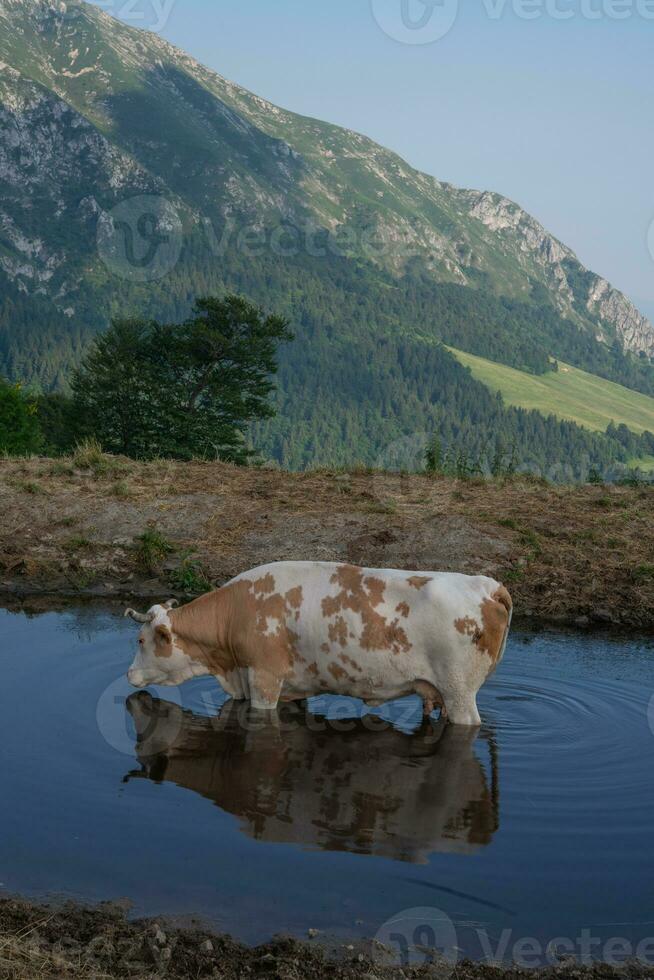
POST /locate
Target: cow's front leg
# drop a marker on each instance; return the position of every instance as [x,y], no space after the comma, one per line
[265,688]
[235,683]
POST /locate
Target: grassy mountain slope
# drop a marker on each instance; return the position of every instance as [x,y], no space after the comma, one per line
[567,393]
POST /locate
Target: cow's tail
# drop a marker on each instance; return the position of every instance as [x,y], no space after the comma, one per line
[503,596]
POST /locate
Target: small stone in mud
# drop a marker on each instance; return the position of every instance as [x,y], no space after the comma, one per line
[312,933]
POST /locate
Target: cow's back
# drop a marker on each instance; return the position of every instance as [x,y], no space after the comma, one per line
[365,632]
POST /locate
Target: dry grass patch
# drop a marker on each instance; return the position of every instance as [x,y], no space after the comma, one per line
[567,552]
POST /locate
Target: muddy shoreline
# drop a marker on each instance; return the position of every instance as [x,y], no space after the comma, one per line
[108,528]
[62,940]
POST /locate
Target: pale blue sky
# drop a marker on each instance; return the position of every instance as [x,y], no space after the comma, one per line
[556,114]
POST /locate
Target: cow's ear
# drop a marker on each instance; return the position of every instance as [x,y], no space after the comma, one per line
[162,634]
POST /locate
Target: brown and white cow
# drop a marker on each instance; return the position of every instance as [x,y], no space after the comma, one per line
[293,630]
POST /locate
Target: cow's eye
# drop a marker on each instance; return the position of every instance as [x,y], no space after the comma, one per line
[141,640]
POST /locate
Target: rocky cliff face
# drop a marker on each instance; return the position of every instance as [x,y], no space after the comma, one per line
[609,309]
[93,113]
[633,330]
[52,163]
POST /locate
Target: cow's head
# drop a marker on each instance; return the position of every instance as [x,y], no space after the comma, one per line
[160,659]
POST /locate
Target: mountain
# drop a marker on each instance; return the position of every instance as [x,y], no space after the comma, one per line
[133,179]
[646,306]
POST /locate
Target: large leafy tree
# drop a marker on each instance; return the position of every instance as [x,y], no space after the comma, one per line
[60,422]
[185,390]
[20,434]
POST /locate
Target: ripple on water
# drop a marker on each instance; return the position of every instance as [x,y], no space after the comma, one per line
[571,740]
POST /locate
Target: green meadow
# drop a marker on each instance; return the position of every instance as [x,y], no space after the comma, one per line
[567,393]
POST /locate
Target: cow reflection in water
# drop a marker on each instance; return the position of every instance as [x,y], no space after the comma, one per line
[355,785]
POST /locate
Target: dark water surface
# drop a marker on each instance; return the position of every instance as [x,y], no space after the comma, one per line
[540,824]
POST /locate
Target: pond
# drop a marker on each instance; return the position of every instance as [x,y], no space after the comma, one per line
[330,817]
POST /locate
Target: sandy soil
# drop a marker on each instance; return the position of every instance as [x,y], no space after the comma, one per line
[74,527]
[52,943]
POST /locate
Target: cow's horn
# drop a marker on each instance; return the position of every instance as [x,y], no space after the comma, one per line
[139,617]
[171,604]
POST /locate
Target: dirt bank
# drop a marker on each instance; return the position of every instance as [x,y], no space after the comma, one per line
[52,943]
[100,526]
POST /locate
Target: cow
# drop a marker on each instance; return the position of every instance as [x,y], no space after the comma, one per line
[292,630]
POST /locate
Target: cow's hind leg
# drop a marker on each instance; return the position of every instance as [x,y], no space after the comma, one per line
[461,708]
[265,688]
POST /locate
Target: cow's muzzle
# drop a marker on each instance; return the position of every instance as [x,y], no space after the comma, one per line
[136,678]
